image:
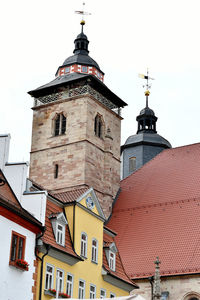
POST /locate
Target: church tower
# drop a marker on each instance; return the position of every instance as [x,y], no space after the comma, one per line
[145,144]
[76,129]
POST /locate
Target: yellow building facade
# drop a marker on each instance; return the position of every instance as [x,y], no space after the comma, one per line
[90,267]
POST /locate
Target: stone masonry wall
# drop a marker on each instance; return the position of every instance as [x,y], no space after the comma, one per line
[179,287]
[83,158]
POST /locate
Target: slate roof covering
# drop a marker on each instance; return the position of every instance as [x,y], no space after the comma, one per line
[54,85]
[82,60]
[119,271]
[146,138]
[70,196]
[157,213]
[49,238]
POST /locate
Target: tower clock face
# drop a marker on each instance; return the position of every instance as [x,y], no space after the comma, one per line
[89,202]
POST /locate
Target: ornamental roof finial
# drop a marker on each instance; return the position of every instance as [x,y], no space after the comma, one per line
[83,13]
[147,86]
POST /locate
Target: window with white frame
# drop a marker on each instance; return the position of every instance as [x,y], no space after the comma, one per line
[81,289]
[49,277]
[84,244]
[112,260]
[60,234]
[69,290]
[59,280]
[94,250]
[102,293]
[92,291]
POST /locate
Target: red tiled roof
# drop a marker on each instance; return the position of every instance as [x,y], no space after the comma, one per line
[119,269]
[49,237]
[158,213]
[70,196]
[8,199]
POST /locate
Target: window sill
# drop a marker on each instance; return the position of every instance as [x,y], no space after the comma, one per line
[14,264]
[54,136]
[48,293]
[82,256]
[94,262]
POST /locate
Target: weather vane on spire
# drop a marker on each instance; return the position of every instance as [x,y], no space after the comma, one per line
[147,86]
[83,13]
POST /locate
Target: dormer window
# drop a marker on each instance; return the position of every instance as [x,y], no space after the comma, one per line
[98,126]
[60,234]
[84,244]
[59,223]
[112,260]
[59,124]
[111,256]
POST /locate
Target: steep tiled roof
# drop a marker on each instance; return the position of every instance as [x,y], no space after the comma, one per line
[119,269]
[157,213]
[49,238]
[10,202]
[70,196]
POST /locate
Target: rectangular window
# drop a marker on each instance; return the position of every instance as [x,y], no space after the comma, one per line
[67,69]
[49,277]
[18,242]
[84,244]
[92,291]
[69,290]
[84,69]
[81,289]
[102,293]
[59,280]
[94,250]
[60,238]
[112,260]
[132,164]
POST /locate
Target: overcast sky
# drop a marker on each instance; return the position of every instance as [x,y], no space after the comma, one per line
[125,38]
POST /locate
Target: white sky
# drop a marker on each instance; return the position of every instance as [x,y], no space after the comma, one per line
[125,38]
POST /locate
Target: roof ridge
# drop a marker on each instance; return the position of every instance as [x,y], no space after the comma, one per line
[158,204]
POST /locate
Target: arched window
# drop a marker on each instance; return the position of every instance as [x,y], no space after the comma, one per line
[192,296]
[84,244]
[59,124]
[98,126]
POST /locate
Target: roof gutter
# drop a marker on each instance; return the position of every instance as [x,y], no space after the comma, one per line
[42,261]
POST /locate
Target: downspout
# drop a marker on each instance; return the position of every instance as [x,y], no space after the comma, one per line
[42,262]
[74,226]
[151,279]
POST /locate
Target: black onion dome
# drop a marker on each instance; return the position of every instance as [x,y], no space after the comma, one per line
[81,59]
[147,111]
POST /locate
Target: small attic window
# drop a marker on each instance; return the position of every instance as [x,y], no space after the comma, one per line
[59,227]
[111,256]
[112,259]
[60,234]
